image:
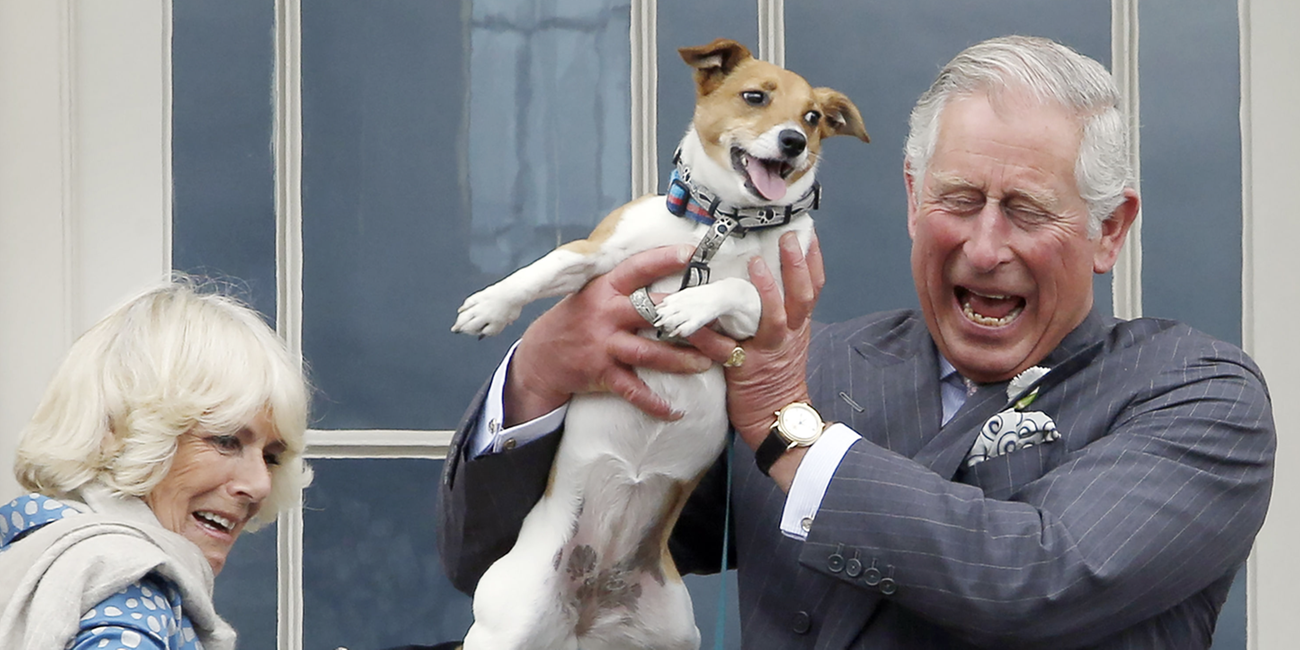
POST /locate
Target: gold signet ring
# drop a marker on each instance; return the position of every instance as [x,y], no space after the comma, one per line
[737,358]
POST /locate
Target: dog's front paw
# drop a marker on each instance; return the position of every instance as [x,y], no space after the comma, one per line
[485,313]
[683,313]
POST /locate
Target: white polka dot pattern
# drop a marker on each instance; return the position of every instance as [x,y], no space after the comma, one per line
[28,513]
[144,616]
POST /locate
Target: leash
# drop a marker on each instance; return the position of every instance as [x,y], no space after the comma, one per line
[719,629]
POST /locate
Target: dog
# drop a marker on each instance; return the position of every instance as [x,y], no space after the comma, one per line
[591,567]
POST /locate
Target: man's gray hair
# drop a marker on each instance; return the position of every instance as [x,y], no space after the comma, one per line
[1049,72]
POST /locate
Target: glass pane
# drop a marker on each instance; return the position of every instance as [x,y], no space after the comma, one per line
[686,23]
[885,56]
[246,591]
[704,598]
[1191,164]
[223,221]
[442,149]
[223,174]
[371,574]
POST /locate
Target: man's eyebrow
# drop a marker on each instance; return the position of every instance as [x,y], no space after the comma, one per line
[948,182]
[1044,199]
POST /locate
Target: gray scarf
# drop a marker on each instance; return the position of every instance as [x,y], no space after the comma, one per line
[55,574]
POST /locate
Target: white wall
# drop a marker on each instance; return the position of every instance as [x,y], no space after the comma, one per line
[85,180]
[1271,292]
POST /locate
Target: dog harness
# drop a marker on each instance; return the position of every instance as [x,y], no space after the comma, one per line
[687,200]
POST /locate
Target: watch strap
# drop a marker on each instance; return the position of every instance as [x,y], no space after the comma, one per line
[769,451]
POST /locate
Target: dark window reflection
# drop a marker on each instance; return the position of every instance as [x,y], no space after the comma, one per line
[371,574]
[444,145]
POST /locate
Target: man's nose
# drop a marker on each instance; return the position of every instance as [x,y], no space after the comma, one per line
[987,245]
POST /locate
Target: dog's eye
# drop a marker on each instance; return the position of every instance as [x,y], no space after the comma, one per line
[812,118]
[754,97]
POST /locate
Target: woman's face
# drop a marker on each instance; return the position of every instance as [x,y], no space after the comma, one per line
[216,485]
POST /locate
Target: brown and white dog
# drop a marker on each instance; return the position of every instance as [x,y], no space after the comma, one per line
[591,567]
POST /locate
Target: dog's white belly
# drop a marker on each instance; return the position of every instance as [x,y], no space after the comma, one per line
[590,566]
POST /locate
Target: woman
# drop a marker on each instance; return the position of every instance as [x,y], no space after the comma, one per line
[172,425]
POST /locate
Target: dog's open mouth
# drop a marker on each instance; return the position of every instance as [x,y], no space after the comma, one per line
[763,177]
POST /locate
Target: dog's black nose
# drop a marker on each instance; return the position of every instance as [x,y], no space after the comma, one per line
[792,142]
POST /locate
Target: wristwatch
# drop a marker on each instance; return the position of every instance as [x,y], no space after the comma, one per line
[797,425]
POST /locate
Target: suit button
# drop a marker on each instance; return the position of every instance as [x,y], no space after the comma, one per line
[871,577]
[888,586]
[802,623]
[853,568]
[835,563]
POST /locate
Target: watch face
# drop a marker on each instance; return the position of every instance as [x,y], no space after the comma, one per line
[800,423]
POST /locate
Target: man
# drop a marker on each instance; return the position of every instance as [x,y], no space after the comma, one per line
[1116,515]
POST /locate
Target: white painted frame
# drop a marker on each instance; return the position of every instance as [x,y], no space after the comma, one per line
[85,180]
[85,219]
[1270,138]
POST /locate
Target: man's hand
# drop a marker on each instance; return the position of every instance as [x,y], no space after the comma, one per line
[588,343]
[776,358]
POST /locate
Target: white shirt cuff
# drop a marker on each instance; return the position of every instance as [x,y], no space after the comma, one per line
[812,478]
[489,437]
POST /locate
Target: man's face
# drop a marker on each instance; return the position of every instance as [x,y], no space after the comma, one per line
[1000,250]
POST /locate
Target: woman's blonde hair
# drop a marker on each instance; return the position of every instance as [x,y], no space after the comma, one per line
[179,357]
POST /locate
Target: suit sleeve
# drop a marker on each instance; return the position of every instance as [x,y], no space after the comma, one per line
[482,502]
[1144,508]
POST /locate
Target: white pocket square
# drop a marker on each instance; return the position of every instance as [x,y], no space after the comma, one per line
[1011,430]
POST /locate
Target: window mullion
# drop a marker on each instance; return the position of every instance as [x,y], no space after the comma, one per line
[288,235]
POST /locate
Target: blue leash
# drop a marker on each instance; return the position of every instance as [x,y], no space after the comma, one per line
[719,631]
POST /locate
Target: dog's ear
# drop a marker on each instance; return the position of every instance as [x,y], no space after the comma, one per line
[842,117]
[713,62]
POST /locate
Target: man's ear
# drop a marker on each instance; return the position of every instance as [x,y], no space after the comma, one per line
[1114,230]
[909,179]
[713,62]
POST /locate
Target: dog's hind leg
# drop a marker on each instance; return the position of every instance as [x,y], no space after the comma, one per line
[517,604]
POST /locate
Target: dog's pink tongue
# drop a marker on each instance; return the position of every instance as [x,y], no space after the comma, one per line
[770,185]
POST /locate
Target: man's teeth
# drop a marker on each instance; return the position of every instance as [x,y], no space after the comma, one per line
[216,520]
[989,321]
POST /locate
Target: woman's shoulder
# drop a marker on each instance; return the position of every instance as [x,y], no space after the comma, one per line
[146,614]
[28,513]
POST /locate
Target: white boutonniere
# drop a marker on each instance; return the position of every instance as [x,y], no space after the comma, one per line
[1022,382]
[1015,428]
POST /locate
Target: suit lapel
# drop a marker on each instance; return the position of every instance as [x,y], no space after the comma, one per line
[944,452]
[896,380]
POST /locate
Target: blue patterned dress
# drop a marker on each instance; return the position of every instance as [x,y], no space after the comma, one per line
[145,615]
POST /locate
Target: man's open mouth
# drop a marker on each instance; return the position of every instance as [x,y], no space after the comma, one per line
[989,310]
[764,177]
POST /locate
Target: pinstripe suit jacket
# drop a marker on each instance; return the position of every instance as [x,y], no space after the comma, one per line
[1125,533]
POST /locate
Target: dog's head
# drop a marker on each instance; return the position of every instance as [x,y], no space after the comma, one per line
[759,126]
